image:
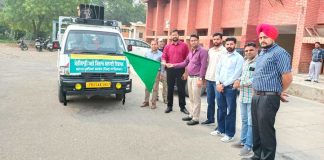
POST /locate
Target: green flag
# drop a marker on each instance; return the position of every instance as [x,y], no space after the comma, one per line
[145,68]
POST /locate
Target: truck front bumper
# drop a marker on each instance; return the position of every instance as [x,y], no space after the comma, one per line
[68,84]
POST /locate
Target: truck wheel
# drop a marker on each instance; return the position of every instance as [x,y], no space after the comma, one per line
[62,96]
[119,97]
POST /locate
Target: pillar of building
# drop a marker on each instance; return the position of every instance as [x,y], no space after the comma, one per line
[159,20]
[308,9]
[191,17]
[214,20]
[173,19]
[149,18]
[249,22]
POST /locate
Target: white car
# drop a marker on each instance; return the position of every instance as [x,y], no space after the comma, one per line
[137,46]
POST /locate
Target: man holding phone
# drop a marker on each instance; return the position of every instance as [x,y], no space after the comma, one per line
[245,86]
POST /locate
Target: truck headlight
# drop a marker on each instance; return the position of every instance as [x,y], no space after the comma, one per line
[118,85]
[78,86]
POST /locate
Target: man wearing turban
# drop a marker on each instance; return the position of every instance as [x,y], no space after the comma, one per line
[271,78]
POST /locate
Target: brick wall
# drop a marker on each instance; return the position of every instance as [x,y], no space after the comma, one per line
[166,15]
[232,12]
[149,18]
[305,58]
[320,17]
[182,16]
[202,13]
[301,58]
[278,14]
[245,14]
[154,18]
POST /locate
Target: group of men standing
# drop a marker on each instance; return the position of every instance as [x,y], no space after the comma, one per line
[261,78]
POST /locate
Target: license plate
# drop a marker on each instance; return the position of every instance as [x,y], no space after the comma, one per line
[103,84]
[37,43]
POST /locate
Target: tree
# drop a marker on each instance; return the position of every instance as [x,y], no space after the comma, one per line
[33,15]
[125,11]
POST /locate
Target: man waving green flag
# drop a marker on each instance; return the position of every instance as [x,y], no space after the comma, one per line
[146,69]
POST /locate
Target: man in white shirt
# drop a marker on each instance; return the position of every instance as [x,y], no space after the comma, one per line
[214,54]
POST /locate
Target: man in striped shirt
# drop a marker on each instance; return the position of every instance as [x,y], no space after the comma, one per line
[245,85]
[271,79]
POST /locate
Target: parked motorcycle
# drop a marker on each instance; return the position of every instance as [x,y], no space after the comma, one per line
[38,44]
[48,45]
[22,45]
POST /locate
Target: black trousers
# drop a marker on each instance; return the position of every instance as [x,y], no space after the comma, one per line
[264,110]
[173,76]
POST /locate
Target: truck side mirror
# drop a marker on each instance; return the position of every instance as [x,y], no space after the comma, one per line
[56,45]
[129,48]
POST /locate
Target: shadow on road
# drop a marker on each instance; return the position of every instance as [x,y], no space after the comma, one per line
[94,105]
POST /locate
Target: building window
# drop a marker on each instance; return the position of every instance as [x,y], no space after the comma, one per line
[228,31]
[140,35]
[202,32]
[232,31]
[181,32]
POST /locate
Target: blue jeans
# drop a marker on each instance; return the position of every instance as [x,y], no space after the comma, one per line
[226,110]
[211,89]
[246,132]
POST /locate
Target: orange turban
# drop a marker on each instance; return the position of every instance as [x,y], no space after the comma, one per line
[269,30]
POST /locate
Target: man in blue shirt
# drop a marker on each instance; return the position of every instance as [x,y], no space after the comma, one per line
[271,78]
[228,70]
[316,63]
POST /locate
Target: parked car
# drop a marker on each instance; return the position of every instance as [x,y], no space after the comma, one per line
[137,46]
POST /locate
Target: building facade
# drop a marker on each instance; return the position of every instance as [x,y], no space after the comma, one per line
[300,22]
[134,30]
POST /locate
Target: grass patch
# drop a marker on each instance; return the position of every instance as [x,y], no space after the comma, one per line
[6,41]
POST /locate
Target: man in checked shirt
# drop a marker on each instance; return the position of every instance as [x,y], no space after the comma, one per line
[245,85]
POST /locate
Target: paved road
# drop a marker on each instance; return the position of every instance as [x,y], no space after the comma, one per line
[34,125]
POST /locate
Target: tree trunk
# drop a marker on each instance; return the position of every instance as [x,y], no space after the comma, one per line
[34,30]
[37,26]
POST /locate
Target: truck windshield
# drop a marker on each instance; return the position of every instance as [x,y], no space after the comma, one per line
[94,42]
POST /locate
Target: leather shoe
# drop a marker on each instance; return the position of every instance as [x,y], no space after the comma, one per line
[192,122]
[145,104]
[207,122]
[153,106]
[187,118]
[184,110]
[168,110]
